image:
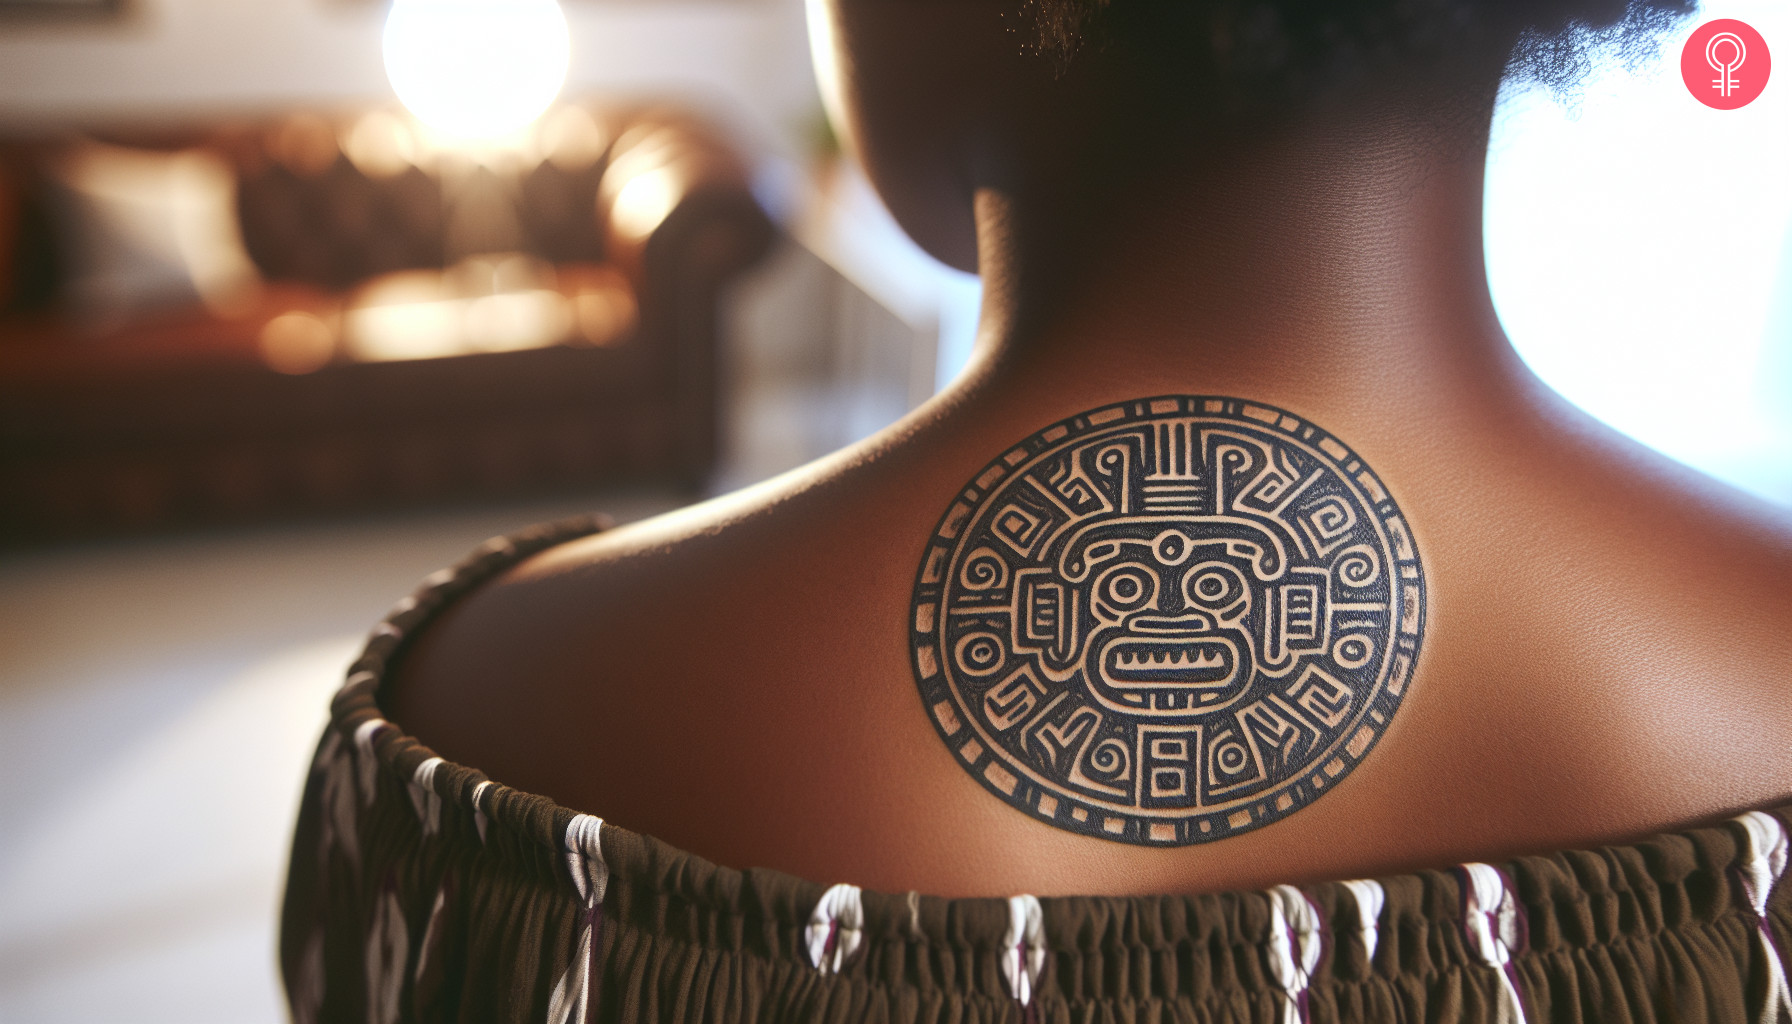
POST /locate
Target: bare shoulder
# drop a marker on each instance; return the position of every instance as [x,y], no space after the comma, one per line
[689,654]
[1605,654]
[1610,653]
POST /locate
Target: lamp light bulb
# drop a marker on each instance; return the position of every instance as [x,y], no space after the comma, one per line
[476,69]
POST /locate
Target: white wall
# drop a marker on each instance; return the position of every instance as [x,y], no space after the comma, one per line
[1639,247]
[747,59]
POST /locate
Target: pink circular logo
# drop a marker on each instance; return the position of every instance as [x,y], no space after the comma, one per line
[1725,64]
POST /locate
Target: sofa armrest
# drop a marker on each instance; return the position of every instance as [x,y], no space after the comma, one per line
[675,199]
[680,222]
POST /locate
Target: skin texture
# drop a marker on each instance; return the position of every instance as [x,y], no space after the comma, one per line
[1609,634]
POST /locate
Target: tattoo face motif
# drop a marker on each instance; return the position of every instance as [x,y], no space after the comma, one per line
[1168,621]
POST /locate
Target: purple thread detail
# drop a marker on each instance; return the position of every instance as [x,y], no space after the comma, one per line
[373,739]
[1321,935]
[1294,952]
[1522,916]
[1748,898]
[1298,948]
[1773,945]
[1522,940]
[1510,970]
[594,919]
[1305,1001]
[1465,885]
[1029,1008]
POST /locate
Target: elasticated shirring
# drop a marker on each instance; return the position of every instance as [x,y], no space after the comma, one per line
[421,890]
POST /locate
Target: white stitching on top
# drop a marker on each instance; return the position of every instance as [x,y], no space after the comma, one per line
[1490,916]
[424,798]
[836,927]
[1295,943]
[1369,897]
[591,876]
[1764,863]
[1023,948]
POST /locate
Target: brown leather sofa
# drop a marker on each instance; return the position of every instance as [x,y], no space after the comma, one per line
[281,397]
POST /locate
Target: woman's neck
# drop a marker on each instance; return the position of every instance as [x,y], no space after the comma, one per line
[1340,255]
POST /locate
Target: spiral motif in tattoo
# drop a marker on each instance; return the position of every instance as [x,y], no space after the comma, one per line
[1168,621]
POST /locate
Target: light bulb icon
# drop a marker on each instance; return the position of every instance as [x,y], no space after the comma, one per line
[1725,83]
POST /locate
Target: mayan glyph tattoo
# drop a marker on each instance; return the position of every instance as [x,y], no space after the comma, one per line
[1168,621]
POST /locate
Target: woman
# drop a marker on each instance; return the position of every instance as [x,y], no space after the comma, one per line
[1247,554]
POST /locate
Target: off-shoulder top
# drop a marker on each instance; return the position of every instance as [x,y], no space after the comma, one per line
[420,890]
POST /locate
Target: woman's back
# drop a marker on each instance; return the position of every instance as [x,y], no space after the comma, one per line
[1247,552]
[1598,640]
[1604,657]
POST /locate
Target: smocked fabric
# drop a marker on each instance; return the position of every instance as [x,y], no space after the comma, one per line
[420,890]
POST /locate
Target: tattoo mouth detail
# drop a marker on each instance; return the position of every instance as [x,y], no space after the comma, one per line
[1168,621]
[1141,667]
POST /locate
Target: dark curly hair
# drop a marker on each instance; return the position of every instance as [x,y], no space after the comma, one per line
[1255,51]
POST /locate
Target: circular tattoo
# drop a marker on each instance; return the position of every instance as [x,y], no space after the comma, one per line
[1168,621]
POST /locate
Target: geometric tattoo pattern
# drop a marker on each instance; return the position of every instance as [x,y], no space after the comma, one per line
[1167,621]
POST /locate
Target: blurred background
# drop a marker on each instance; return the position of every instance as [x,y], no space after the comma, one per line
[301,299]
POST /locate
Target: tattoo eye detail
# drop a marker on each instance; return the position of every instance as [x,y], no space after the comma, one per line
[1168,621]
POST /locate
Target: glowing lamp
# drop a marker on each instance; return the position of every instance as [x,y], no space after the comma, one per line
[476,69]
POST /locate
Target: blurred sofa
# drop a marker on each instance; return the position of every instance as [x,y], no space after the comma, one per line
[244,320]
